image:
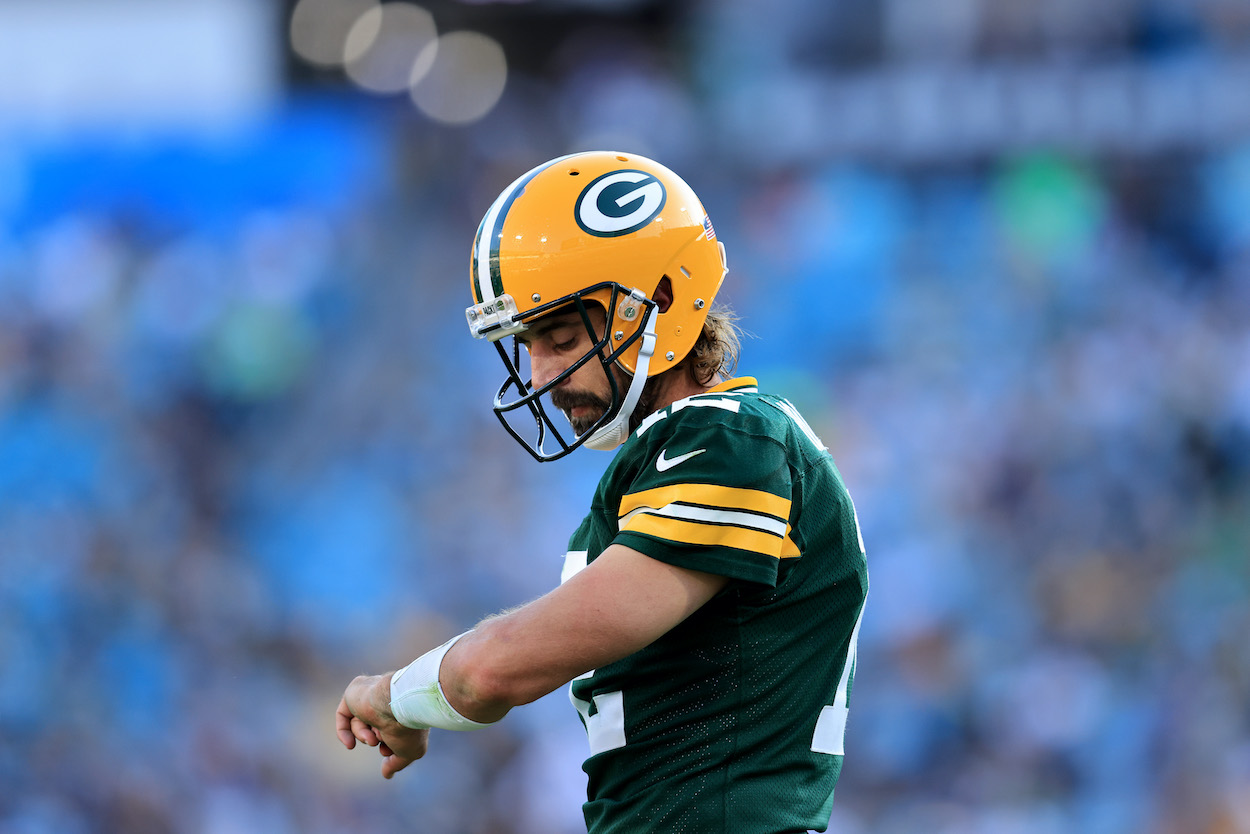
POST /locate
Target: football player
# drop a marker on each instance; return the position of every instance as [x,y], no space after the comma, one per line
[711,600]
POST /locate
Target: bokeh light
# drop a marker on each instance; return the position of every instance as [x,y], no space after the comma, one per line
[319,28]
[384,44]
[465,79]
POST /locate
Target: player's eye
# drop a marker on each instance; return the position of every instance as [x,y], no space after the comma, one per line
[563,338]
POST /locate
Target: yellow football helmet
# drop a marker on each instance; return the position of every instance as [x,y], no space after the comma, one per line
[604,228]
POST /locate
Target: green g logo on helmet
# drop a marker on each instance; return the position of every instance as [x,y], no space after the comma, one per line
[619,202]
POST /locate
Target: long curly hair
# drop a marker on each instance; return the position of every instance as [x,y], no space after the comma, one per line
[717,348]
[715,351]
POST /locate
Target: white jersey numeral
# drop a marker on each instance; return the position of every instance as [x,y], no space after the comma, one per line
[574,563]
[830,734]
[606,728]
[790,411]
[793,413]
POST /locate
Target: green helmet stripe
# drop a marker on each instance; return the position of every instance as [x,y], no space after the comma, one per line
[486,272]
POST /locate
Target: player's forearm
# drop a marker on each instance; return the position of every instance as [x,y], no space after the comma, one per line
[494,668]
[616,606]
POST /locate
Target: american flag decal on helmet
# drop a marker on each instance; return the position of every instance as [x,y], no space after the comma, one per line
[707,228]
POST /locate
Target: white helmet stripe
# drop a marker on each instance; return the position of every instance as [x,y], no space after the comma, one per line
[486,251]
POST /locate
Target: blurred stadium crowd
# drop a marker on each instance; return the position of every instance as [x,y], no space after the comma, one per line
[246,449]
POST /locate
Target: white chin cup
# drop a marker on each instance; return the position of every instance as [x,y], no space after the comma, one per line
[613,434]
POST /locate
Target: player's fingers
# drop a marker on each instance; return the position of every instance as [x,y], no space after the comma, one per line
[394,764]
[385,750]
[343,724]
[364,732]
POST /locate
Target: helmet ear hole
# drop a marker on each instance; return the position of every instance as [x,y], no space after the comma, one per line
[663,295]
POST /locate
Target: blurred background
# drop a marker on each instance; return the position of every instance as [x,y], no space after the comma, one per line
[998,251]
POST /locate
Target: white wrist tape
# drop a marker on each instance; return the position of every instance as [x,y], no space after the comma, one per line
[417,699]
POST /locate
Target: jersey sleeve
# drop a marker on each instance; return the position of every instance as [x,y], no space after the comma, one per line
[712,498]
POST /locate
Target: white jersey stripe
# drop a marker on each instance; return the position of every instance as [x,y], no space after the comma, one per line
[752,521]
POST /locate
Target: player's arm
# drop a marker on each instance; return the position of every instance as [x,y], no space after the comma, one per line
[621,602]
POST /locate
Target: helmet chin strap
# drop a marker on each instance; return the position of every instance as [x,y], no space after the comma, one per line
[613,434]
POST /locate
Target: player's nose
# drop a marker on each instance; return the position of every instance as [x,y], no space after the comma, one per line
[545,366]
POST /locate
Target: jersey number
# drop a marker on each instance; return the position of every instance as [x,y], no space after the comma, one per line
[830,734]
[606,728]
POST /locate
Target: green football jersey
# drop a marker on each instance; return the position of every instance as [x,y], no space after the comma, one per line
[734,720]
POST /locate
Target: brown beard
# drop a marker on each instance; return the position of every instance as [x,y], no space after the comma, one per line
[566,401]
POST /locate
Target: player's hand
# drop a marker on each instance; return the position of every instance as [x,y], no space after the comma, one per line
[364,715]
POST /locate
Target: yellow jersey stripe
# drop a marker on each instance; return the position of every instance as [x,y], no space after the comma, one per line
[731,384]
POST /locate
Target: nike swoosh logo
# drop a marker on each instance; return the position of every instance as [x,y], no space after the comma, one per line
[663,465]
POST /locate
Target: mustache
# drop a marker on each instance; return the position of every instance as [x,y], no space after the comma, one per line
[565,400]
